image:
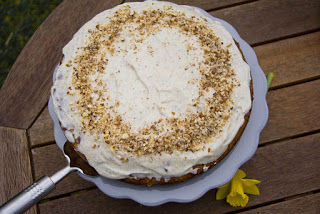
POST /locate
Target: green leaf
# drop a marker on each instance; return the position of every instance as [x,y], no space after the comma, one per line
[269,79]
[19,19]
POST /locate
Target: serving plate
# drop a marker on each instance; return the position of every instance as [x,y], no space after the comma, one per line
[193,189]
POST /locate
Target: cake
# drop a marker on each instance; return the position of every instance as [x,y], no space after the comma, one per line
[152,92]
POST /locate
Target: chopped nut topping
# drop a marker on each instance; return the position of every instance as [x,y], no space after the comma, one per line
[183,134]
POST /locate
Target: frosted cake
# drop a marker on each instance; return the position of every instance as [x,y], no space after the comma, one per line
[152,92]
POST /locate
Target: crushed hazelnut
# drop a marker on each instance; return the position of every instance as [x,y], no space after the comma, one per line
[182,134]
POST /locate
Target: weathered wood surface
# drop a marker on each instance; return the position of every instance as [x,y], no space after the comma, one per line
[286,38]
[207,4]
[42,129]
[52,156]
[309,204]
[293,111]
[267,20]
[27,88]
[292,60]
[15,166]
[269,165]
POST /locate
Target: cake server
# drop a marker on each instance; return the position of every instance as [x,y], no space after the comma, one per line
[43,186]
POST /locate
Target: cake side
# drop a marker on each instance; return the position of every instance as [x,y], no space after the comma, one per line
[141,130]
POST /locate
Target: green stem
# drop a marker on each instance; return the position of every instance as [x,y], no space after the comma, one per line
[269,79]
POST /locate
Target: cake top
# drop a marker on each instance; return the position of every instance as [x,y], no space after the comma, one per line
[184,128]
[146,80]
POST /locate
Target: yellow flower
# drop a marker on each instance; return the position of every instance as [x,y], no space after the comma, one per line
[235,190]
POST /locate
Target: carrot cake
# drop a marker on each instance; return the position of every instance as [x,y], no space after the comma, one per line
[152,92]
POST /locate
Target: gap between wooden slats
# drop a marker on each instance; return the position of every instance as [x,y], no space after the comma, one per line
[292,111]
[15,167]
[309,204]
[267,20]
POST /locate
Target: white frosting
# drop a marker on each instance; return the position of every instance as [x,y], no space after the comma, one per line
[152,83]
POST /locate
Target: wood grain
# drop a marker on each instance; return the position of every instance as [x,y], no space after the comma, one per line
[27,87]
[269,165]
[309,204]
[287,169]
[291,60]
[292,111]
[42,129]
[267,20]
[15,167]
[206,4]
[52,156]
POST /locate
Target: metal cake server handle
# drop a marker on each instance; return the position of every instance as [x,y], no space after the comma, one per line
[36,191]
[42,187]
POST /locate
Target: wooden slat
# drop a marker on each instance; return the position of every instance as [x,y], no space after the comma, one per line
[52,156]
[27,87]
[267,20]
[307,205]
[15,167]
[42,130]
[206,4]
[269,165]
[291,60]
[293,111]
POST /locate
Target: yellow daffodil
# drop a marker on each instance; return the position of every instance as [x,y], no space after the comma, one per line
[235,190]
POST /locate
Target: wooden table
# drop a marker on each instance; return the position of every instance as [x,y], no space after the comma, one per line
[286,38]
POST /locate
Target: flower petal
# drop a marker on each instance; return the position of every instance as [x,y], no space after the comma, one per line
[235,190]
[236,186]
[240,174]
[249,186]
[223,191]
[237,200]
